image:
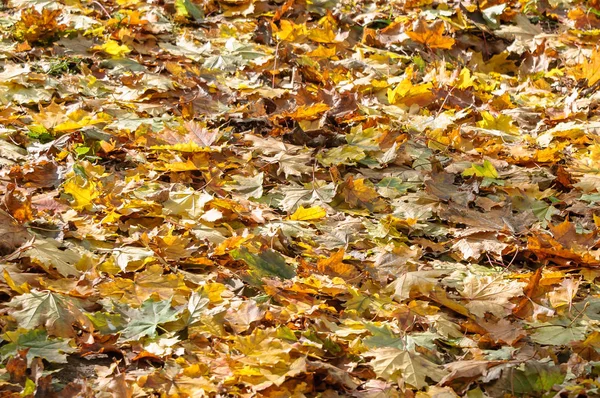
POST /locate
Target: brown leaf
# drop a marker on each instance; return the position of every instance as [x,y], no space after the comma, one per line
[13,234]
[359,195]
[17,367]
[532,291]
[39,174]
[18,204]
[504,331]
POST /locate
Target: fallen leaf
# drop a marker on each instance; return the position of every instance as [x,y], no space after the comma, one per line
[145,320]
[431,35]
[14,234]
[413,368]
[308,214]
[591,68]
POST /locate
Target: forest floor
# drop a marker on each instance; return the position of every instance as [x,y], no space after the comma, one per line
[322,198]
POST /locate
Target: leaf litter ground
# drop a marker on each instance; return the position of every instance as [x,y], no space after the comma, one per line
[277,199]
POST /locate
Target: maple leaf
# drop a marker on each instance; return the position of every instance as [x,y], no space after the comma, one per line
[357,194]
[38,27]
[591,68]
[57,313]
[145,320]
[421,282]
[187,9]
[335,266]
[409,94]
[501,122]
[14,234]
[37,344]
[248,187]
[83,192]
[113,48]
[308,214]
[487,170]
[47,255]
[269,263]
[240,317]
[489,294]
[431,35]
[271,198]
[411,367]
[557,332]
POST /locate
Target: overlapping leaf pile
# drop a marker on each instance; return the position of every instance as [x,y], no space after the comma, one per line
[322,198]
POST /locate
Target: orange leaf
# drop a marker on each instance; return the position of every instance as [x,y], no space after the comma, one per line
[357,194]
[591,68]
[431,35]
[308,112]
[334,266]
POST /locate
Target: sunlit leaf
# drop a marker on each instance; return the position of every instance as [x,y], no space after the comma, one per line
[431,36]
[145,320]
[37,344]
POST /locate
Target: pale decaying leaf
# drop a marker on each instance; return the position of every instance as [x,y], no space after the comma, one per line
[58,314]
[483,294]
[412,368]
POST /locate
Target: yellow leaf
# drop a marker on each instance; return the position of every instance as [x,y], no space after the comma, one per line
[501,123]
[308,112]
[71,125]
[24,288]
[177,166]
[465,80]
[83,192]
[431,35]
[325,32]
[408,94]
[591,68]
[112,47]
[187,147]
[322,52]
[289,31]
[312,213]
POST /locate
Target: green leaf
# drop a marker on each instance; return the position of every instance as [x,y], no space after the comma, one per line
[46,253]
[392,187]
[29,388]
[37,344]
[535,377]
[248,187]
[382,336]
[591,198]
[345,154]
[557,334]
[543,211]
[267,264]
[487,170]
[492,15]
[145,320]
[106,323]
[53,311]
[186,8]
[364,139]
